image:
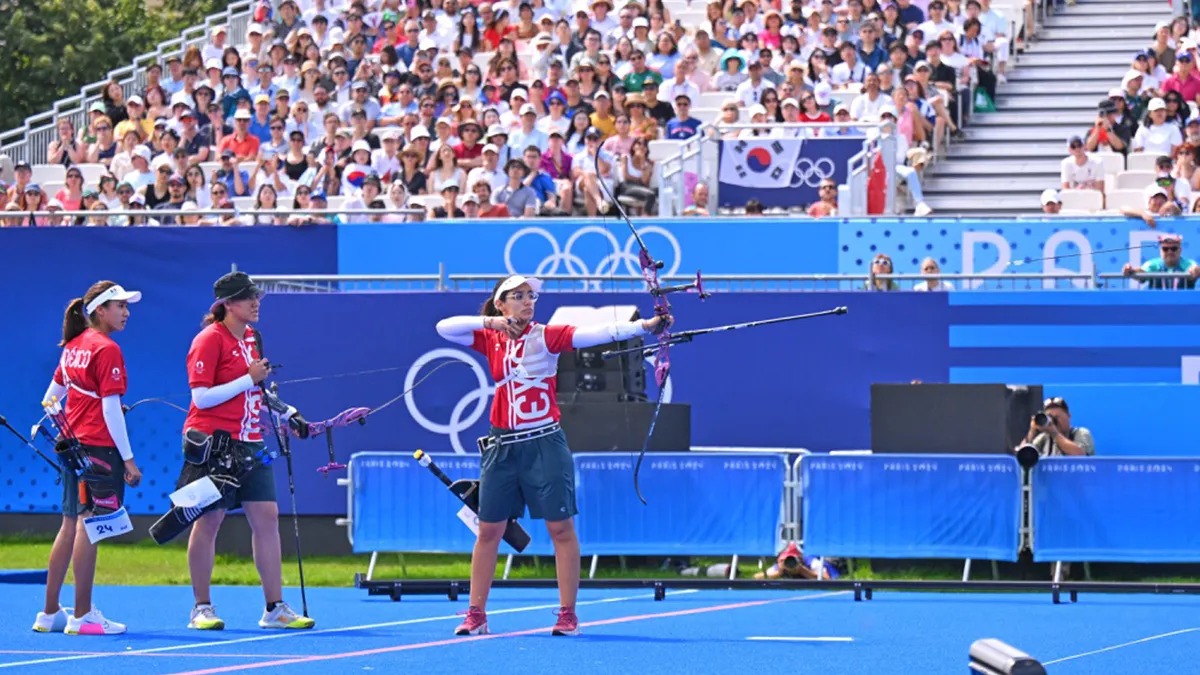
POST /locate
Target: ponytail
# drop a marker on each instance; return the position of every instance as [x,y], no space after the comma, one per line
[217,314]
[74,321]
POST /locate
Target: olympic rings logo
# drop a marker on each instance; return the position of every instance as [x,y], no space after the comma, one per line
[460,419]
[810,172]
[474,404]
[564,260]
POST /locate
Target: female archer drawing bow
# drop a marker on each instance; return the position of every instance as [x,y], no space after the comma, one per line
[526,462]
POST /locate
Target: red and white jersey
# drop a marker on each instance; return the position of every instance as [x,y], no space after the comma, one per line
[91,367]
[526,374]
[217,357]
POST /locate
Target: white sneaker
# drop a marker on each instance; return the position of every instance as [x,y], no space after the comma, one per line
[52,623]
[92,623]
[922,210]
[204,617]
[284,617]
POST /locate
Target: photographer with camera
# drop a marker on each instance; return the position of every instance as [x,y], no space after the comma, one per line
[1050,431]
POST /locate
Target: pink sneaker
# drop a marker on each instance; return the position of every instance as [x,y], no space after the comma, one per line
[568,623]
[474,624]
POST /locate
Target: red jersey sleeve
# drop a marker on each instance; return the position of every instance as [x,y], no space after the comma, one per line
[109,365]
[483,341]
[558,339]
[202,359]
[58,378]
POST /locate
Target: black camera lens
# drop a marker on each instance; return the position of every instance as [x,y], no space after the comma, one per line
[1041,419]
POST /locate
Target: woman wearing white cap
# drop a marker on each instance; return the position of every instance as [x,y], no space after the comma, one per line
[89,381]
[526,461]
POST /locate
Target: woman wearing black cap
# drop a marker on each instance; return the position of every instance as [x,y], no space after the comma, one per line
[225,367]
[526,462]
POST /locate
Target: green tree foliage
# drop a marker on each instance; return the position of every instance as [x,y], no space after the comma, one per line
[52,48]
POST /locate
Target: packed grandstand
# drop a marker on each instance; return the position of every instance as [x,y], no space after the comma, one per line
[510,109]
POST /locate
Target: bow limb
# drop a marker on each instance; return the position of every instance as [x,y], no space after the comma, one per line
[342,419]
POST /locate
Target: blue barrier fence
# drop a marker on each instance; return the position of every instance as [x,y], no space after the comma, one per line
[1115,509]
[396,505]
[912,506]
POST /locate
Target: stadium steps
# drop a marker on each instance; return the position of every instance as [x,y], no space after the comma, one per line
[1011,155]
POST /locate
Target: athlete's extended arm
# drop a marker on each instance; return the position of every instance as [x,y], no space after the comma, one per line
[461,329]
[209,397]
[590,336]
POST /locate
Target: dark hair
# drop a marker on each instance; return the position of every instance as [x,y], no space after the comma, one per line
[74,321]
[217,314]
[489,307]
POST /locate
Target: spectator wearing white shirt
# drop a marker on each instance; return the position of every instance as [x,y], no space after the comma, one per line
[868,104]
[215,49]
[749,92]
[1078,171]
[937,22]
[1158,137]
[851,69]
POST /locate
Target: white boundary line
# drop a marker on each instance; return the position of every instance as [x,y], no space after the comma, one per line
[785,638]
[1122,645]
[287,634]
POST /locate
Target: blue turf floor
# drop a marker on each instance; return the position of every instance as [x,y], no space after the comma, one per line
[624,632]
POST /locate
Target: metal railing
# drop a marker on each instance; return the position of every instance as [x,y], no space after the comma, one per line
[739,283]
[30,141]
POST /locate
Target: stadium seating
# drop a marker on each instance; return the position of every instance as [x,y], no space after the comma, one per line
[389,64]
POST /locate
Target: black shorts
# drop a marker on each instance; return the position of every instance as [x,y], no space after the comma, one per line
[537,474]
[257,486]
[106,485]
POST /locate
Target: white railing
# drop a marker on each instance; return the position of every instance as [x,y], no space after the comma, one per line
[30,141]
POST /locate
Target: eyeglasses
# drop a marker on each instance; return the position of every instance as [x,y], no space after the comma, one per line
[104,127]
[520,296]
[1169,249]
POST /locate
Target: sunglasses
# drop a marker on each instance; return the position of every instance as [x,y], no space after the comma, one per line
[1169,249]
[1056,401]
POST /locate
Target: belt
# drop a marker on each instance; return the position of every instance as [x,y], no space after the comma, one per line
[496,438]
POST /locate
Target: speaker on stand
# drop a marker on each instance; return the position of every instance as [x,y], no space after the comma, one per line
[603,402]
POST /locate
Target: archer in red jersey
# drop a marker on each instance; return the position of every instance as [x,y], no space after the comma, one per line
[90,379]
[526,462]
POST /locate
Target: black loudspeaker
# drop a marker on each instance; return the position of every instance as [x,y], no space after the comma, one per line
[604,426]
[583,375]
[951,418]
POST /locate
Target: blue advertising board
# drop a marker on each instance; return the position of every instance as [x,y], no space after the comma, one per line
[603,246]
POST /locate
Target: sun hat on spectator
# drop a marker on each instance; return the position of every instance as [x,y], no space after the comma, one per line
[519,92]
[789,102]
[491,147]
[262,98]
[823,92]
[452,184]
[528,109]
[242,114]
[1170,238]
[1156,104]
[138,198]
[22,164]
[54,204]
[729,55]
[189,206]
[229,71]
[1050,197]
[97,106]
[254,28]
[592,132]
[142,152]
[33,187]
[135,100]
[756,109]
[1154,189]
[418,131]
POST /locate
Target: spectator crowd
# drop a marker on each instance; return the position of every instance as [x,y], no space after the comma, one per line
[507,109]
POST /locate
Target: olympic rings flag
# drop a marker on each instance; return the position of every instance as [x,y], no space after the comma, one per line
[782,172]
[599,256]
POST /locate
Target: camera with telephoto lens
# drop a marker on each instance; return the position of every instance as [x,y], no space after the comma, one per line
[1042,418]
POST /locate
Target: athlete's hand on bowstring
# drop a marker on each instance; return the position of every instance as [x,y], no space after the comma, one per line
[505,325]
[259,369]
[133,475]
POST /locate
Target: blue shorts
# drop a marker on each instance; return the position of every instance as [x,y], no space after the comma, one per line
[257,486]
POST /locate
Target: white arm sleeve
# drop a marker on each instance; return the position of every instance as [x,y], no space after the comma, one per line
[55,390]
[460,329]
[208,397]
[114,417]
[590,336]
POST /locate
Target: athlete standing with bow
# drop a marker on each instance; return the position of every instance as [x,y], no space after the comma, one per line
[225,370]
[526,461]
[91,379]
